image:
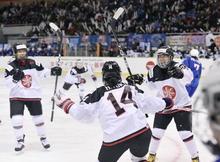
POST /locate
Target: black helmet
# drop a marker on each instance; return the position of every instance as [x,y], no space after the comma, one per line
[164,50]
[111,73]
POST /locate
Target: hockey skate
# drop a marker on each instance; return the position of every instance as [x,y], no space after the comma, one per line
[44,142]
[20,144]
[151,158]
[196,159]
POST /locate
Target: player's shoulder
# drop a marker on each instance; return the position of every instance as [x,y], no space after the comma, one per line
[95,96]
[153,73]
[77,70]
[179,64]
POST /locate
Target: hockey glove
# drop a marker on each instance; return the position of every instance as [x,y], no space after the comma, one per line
[56,71]
[63,102]
[33,65]
[175,72]
[135,79]
[169,105]
[18,75]
[94,78]
[39,67]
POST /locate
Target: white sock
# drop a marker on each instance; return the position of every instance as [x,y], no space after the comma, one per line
[189,141]
[17,124]
[157,135]
[39,124]
[191,146]
[137,159]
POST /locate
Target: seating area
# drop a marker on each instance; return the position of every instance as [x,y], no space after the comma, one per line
[92,16]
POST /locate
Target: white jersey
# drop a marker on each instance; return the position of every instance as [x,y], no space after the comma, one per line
[74,75]
[120,110]
[173,88]
[29,86]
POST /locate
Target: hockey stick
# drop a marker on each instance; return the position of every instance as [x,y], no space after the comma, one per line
[187,110]
[117,14]
[59,34]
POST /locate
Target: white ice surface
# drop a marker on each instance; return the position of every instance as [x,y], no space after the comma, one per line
[72,141]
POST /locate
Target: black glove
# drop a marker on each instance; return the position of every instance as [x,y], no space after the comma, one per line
[39,67]
[18,75]
[175,72]
[32,65]
[135,79]
[56,71]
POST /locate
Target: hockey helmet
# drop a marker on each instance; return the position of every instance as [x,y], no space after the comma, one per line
[20,51]
[164,56]
[79,64]
[111,73]
[194,53]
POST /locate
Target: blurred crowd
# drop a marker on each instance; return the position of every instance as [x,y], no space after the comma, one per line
[93,16]
[136,50]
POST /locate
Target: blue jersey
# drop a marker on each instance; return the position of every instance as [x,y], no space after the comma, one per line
[196,68]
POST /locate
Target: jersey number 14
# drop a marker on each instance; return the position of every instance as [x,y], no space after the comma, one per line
[126,93]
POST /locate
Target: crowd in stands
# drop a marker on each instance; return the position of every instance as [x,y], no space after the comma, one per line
[93,16]
[44,49]
[81,17]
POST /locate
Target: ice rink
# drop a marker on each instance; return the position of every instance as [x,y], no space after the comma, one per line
[72,141]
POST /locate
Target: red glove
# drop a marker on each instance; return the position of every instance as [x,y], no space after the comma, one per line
[63,102]
[66,105]
[169,106]
[169,103]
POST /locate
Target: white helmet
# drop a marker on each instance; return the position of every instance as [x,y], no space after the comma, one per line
[165,50]
[79,64]
[194,52]
[211,98]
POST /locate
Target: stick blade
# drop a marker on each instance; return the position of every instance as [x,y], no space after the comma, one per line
[118,13]
[54,26]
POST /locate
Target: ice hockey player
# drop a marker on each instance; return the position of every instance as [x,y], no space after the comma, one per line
[119,108]
[74,76]
[22,77]
[192,62]
[169,78]
[211,101]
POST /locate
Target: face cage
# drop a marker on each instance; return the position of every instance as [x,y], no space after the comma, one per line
[163,65]
[108,75]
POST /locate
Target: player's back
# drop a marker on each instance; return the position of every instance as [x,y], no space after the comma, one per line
[119,115]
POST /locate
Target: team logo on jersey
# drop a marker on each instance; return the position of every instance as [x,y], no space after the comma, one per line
[169,91]
[27,81]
